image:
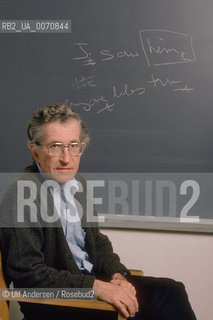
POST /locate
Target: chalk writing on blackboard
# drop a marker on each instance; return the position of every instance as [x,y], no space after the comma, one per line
[108,102]
[84,82]
[104,103]
[185,89]
[163,47]
[155,81]
[128,92]
[87,58]
[159,48]
[108,55]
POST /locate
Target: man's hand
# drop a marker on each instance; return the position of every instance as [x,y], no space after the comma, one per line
[118,275]
[119,280]
[119,293]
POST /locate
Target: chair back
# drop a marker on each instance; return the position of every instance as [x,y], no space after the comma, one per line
[4,306]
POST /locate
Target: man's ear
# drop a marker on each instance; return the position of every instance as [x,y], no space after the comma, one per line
[84,147]
[34,151]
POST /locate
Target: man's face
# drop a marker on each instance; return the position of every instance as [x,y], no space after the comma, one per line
[64,167]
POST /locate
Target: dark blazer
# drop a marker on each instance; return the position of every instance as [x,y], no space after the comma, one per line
[37,255]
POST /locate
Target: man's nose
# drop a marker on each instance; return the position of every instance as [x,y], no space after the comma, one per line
[65,156]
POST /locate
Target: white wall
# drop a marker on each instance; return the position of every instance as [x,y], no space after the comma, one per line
[184,257]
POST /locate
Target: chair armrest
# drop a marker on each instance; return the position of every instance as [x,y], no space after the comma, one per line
[135,272]
[83,304]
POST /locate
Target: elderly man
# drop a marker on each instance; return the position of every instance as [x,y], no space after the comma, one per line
[72,254]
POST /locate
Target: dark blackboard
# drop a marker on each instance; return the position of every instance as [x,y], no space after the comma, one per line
[140,73]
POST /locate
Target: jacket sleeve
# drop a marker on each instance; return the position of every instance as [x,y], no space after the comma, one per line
[24,262]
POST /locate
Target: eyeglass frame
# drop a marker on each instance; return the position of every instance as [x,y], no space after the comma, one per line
[62,145]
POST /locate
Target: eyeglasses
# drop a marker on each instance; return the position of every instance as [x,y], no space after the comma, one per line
[57,149]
